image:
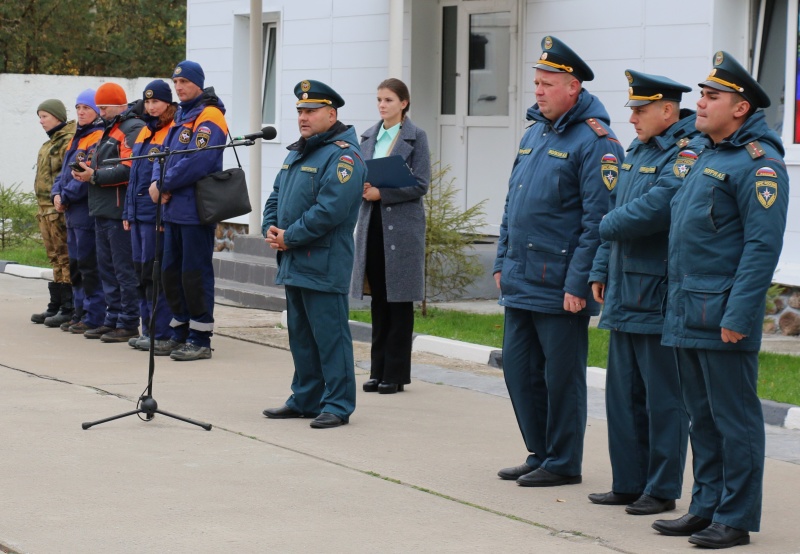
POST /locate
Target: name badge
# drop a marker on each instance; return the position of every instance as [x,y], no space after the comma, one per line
[308,169]
[557,154]
[524,151]
[715,174]
[647,169]
[626,167]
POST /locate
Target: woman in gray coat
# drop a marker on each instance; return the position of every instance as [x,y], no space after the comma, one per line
[390,240]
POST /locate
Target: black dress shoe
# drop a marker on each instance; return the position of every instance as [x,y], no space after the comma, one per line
[718,535]
[327,420]
[684,526]
[613,498]
[371,385]
[390,388]
[514,473]
[543,478]
[648,505]
[284,412]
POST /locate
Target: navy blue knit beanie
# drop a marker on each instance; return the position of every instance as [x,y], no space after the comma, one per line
[192,71]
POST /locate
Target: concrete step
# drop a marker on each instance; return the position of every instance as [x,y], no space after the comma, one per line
[245,268]
[253,246]
[250,296]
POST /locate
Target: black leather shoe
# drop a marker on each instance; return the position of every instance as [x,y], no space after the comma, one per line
[284,412]
[684,526]
[327,420]
[613,498]
[543,478]
[371,385]
[390,388]
[718,535]
[648,505]
[514,473]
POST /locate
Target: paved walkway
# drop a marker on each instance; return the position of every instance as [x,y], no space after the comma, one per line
[413,472]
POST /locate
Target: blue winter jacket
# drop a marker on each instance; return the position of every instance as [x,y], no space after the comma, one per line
[558,193]
[74,193]
[138,204]
[728,221]
[632,259]
[198,123]
[315,199]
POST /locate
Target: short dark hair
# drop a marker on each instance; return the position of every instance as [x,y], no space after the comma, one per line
[400,89]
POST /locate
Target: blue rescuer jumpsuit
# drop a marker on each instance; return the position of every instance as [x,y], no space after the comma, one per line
[315,199]
[647,423]
[728,221]
[187,272]
[87,290]
[558,193]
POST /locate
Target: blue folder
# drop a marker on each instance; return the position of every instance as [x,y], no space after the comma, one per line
[389,172]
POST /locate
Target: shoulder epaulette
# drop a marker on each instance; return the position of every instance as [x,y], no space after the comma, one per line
[682,142]
[342,144]
[599,130]
[755,150]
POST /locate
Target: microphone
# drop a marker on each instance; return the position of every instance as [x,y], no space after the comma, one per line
[267,133]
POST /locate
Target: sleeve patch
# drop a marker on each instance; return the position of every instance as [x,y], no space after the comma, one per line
[344,172]
[766,192]
[767,172]
[684,163]
[609,170]
[346,159]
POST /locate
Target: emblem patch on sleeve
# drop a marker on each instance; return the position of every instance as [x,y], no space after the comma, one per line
[609,170]
[185,136]
[344,172]
[766,192]
[684,163]
[202,137]
[346,159]
[767,172]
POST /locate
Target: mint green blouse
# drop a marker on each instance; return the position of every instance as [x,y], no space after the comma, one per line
[385,138]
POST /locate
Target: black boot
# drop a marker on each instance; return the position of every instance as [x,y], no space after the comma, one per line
[65,312]
[52,306]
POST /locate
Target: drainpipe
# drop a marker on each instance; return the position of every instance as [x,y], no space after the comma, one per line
[396,39]
[256,63]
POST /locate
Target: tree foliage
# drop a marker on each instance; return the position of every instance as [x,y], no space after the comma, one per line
[121,38]
[17,216]
[450,265]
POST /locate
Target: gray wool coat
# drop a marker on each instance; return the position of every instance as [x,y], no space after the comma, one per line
[403,216]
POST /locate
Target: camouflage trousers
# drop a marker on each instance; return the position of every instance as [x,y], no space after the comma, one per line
[54,234]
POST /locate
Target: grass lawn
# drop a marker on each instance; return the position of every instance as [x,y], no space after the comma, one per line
[31,253]
[778,380]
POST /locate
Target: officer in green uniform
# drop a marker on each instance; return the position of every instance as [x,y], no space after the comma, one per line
[567,163]
[728,221]
[647,424]
[309,218]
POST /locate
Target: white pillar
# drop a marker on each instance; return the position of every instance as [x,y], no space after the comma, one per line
[256,62]
[395,39]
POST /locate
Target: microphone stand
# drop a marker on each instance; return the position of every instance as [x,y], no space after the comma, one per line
[147,405]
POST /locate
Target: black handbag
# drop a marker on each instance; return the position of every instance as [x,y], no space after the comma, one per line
[222,195]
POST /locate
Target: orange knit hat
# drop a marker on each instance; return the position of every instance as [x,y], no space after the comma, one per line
[110,94]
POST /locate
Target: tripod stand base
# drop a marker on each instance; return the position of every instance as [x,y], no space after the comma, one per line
[149,407]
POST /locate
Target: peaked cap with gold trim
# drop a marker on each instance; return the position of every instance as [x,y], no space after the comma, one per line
[315,94]
[557,57]
[645,88]
[729,76]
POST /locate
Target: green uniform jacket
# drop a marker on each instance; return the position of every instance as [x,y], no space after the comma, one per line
[315,200]
[632,259]
[728,221]
[48,166]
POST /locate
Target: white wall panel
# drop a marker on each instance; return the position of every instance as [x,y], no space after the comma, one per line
[307,31]
[557,16]
[303,8]
[362,28]
[359,7]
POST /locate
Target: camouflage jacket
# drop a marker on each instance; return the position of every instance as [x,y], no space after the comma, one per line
[48,165]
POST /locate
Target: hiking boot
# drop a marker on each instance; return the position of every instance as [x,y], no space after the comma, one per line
[67,324]
[52,307]
[139,342]
[80,328]
[97,332]
[166,347]
[189,352]
[58,319]
[119,334]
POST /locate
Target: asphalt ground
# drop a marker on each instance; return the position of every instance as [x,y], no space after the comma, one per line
[412,472]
